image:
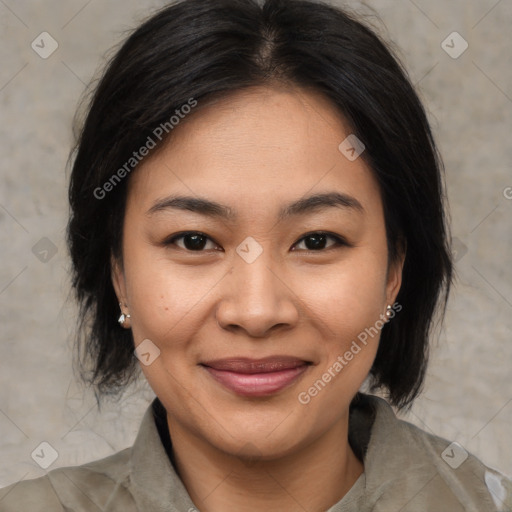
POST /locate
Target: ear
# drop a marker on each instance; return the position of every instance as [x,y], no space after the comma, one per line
[118,279]
[394,276]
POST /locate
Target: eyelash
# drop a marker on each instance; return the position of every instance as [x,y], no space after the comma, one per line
[338,239]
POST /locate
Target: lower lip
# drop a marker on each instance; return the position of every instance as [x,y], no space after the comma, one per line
[257,384]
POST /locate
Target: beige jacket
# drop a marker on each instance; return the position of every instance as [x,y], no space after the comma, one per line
[406,470]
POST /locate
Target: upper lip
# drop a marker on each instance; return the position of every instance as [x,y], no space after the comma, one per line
[263,365]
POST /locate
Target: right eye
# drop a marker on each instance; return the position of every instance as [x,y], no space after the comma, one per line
[193,241]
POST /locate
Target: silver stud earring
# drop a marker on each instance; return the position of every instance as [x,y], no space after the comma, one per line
[123,317]
[388,311]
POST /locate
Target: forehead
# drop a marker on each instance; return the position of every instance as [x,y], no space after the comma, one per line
[253,149]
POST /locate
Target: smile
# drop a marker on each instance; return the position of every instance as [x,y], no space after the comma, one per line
[256,378]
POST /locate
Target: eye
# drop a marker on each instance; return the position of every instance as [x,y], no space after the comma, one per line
[316,241]
[192,241]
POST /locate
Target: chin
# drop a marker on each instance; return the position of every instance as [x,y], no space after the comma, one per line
[263,441]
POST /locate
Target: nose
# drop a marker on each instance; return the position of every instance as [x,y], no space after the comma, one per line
[257,298]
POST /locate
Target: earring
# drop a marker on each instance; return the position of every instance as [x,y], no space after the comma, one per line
[389,311]
[122,319]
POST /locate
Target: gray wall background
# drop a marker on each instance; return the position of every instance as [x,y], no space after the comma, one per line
[468,394]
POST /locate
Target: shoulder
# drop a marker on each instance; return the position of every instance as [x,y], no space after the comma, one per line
[88,487]
[419,471]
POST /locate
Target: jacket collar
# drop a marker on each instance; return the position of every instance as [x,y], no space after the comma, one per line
[155,484]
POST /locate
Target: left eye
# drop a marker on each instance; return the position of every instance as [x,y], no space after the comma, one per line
[318,240]
[196,241]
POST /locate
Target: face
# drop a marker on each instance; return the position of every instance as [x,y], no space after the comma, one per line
[257,277]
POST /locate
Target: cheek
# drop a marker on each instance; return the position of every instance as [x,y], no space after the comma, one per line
[350,296]
[165,298]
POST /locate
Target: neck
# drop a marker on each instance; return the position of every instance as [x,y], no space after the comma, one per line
[313,478]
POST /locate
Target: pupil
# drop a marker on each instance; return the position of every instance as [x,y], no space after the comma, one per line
[318,241]
[197,243]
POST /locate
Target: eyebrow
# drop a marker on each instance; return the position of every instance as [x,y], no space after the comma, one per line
[310,204]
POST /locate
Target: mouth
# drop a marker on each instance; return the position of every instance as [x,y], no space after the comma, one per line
[256,377]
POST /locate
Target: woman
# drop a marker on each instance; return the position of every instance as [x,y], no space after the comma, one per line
[257,210]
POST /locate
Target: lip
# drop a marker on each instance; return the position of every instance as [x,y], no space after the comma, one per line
[257,377]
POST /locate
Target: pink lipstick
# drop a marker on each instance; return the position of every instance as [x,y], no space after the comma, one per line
[256,377]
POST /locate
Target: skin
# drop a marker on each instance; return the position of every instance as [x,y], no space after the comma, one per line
[256,151]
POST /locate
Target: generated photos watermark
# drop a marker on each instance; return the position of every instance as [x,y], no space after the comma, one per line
[343,360]
[137,156]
